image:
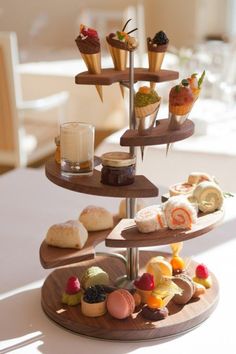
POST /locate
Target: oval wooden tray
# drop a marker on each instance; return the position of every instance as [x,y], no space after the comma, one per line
[126,234]
[159,135]
[110,76]
[141,188]
[180,320]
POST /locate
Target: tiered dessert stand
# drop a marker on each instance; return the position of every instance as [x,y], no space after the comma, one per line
[123,269]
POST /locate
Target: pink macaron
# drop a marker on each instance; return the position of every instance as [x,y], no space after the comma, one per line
[120,304]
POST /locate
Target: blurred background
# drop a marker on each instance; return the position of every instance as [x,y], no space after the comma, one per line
[202,35]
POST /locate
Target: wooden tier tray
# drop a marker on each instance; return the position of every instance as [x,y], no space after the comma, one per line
[159,135]
[53,257]
[141,188]
[180,320]
[126,234]
[110,76]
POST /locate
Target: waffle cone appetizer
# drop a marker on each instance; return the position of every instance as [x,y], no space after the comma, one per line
[146,107]
[196,84]
[119,44]
[89,46]
[157,48]
[181,101]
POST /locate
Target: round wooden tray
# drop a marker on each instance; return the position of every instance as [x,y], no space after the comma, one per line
[180,320]
[141,188]
[158,135]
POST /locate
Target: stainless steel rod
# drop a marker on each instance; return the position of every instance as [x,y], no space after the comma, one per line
[132,254]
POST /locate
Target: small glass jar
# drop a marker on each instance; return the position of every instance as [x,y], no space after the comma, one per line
[118,168]
[58,150]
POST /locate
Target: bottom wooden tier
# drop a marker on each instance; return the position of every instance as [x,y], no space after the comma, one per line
[180,320]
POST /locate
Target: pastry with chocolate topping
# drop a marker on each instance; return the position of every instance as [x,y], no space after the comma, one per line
[88,43]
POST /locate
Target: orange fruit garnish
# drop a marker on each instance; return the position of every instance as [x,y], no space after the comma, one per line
[144,89]
[177,263]
[154,302]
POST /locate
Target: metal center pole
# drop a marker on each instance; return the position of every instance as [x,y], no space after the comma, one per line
[132,254]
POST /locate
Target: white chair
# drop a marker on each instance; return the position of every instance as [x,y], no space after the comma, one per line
[26,135]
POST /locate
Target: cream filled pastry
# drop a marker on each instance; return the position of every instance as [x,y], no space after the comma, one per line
[208,196]
[180,213]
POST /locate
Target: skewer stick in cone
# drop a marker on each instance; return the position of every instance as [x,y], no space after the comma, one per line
[93,63]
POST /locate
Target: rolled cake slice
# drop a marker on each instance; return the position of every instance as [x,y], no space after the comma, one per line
[180,213]
[181,189]
[198,177]
[150,219]
[209,196]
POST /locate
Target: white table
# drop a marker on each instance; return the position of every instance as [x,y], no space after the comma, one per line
[29,204]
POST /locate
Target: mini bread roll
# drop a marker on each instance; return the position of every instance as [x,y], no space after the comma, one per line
[70,234]
[122,208]
[96,218]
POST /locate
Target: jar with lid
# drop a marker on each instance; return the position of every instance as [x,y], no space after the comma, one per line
[118,168]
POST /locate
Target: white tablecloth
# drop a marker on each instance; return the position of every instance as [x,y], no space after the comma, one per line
[29,204]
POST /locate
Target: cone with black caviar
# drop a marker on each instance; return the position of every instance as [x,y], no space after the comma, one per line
[157,48]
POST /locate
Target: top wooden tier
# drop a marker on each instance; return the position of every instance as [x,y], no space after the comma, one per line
[110,76]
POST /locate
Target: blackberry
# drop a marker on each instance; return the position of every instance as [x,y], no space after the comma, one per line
[160,38]
[94,294]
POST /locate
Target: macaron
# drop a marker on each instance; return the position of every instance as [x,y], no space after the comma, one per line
[94,276]
[184,282]
[120,304]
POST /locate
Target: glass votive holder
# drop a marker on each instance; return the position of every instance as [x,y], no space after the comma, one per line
[77,148]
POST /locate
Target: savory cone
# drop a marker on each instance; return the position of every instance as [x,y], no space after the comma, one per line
[88,43]
[119,44]
[146,107]
[196,84]
[181,101]
[119,58]
[156,51]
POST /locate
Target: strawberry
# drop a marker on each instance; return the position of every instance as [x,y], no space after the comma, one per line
[202,271]
[73,286]
[145,282]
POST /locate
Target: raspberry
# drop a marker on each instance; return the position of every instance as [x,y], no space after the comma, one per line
[73,286]
[146,282]
[202,271]
[90,32]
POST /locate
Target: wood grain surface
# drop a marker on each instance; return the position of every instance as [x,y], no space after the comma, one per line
[180,320]
[141,188]
[53,257]
[110,76]
[126,234]
[158,135]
